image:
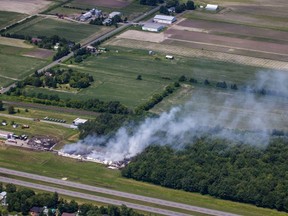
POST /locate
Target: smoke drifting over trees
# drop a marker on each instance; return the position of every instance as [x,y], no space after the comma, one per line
[259,109]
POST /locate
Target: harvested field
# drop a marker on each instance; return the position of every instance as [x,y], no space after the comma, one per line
[39,53]
[229,42]
[188,52]
[101,3]
[220,27]
[143,36]
[14,42]
[24,6]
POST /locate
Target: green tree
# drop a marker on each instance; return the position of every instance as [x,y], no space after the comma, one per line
[190,5]
[1,105]
[11,109]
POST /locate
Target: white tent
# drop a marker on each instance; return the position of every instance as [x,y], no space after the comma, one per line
[211,7]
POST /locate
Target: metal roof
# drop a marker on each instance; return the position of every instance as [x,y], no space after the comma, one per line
[153,25]
[164,17]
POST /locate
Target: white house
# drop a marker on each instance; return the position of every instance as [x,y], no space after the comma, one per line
[114,13]
[3,196]
[211,7]
[164,19]
[86,16]
[153,27]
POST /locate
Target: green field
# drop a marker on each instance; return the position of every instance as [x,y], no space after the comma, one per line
[131,11]
[95,174]
[48,27]
[115,75]
[7,18]
[15,66]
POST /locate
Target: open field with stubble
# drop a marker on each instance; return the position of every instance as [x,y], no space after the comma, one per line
[44,163]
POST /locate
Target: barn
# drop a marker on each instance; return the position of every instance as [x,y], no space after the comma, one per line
[152,27]
[164,19]
[212,7]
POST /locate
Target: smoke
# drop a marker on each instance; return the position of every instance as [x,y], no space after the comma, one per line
[240,116]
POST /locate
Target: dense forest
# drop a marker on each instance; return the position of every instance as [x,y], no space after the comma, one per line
[23,199]
[232,171]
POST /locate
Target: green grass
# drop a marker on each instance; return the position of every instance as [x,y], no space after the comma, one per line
[49,27]
[115,75]
[95,174]
[7,18]
[40,128]
[16,66]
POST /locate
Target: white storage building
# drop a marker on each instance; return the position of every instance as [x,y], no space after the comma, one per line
[211,7]
[79,121]
[153,27]
[164,19]
[111,15]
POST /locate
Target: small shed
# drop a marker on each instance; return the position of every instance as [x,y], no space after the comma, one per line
[212,7]
[3,196]
[79,121]
[169,57]
[113,14]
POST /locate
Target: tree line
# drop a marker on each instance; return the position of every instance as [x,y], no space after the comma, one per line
[220,168]
[23,199]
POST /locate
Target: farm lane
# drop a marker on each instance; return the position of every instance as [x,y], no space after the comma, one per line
[91,197]
[115,193]
[32,119]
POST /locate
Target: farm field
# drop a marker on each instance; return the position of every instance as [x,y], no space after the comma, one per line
[7,17]
[115,74]
[129,8]
[27,62]
[252,13]
[44,163]
[25,7]
[49,27]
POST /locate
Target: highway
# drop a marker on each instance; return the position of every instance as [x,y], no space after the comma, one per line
[116,193]
[91,197]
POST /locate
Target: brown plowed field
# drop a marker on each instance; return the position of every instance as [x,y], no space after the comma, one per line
[40,53]
[228,41]
[234,29]
[105,3]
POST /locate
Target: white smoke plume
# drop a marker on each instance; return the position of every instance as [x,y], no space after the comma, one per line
[200,116]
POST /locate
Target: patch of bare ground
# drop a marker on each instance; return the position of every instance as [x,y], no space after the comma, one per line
[106,3]
[39,53]
[24,6]
[143,36]
[197,53]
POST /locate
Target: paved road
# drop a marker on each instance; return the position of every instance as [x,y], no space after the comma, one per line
[91,197]
[32,119]
[116,193]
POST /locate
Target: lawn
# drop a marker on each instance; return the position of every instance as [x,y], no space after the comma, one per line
[15,66]
[7,18]
[48,27]
[95,174]
[115,74]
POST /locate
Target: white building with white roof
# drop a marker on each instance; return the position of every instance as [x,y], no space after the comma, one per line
[211,7]
[152,27]
[164,19]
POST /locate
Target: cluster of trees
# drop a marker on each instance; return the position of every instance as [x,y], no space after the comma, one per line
[104,124]
[221,168]
[57,77]
[16,36]
[22,200]
[50,42]
[81,54]
[95,105]
[179,7]
[222,84]
[151,2]
[157,98]
[61,52]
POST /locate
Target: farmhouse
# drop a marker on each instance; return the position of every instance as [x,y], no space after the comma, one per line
[164,19]
[79,121]
[153,27]
[107,21]
[86,16]
[113,14]
[211,7]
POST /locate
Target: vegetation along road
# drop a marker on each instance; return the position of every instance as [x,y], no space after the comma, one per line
[112,192]
[91,197]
